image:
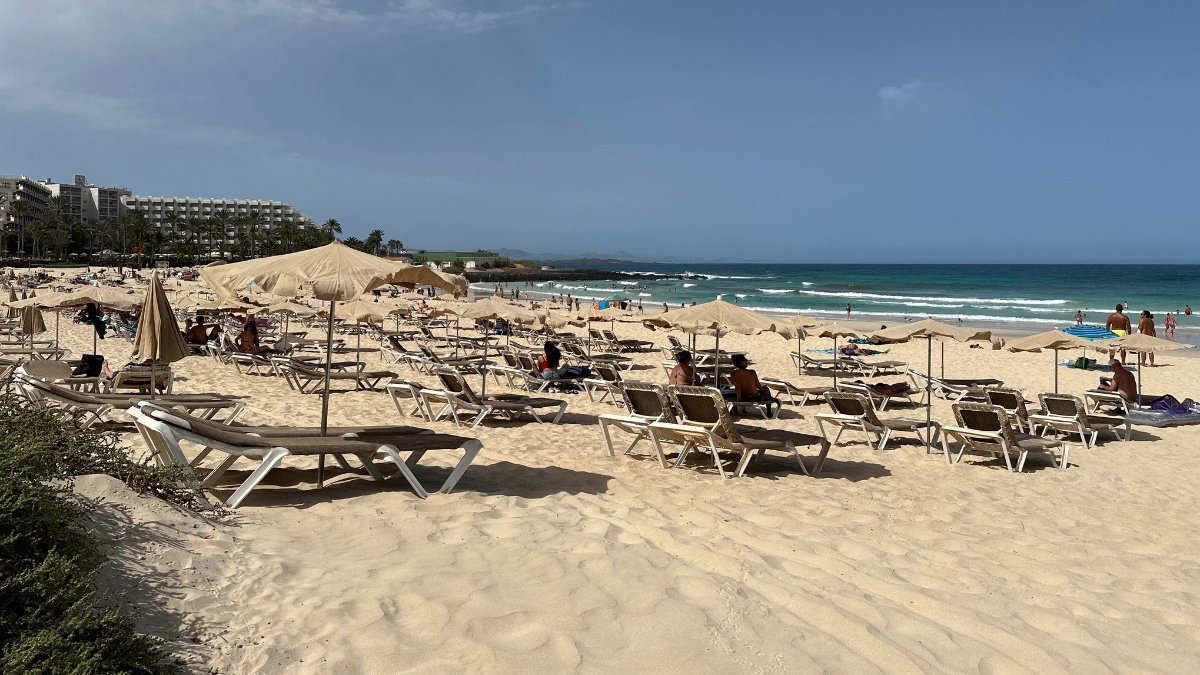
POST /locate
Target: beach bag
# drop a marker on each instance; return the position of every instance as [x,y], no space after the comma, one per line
[90,365]
[577,371]
[1170,404]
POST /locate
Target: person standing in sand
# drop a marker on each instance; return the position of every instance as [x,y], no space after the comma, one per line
[1119,323]
[1146,327]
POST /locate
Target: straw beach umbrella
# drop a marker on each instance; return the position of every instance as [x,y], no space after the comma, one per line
[835,331]
[720,317]
[1141,343]
[1051,339]
[929,329]
[100,296]
[158,340]
[491,308]
[360,311]
[332,273]
[801,321]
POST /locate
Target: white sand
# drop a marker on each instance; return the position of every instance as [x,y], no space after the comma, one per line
[552,557]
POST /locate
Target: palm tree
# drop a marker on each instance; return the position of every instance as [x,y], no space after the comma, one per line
[374,242]
[331,228]
[287,231]
[218,225]
[394,247]
[354,242]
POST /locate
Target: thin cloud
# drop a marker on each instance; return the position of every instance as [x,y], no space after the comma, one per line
[437,15]
[901,95]
[123,115]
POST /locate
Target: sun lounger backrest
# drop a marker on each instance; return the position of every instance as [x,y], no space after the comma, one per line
[61,392]
[216,432]
[1009,399]
[985,417]
[846,403]
[607,372]
[647,400]
[704,406]
[1063,405]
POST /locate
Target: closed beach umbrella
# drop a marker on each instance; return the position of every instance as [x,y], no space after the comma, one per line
[332,273]
[1141,343]
[720,317]
[1053,340]
[32,323]
[13,313]
[158,340]
[929,329]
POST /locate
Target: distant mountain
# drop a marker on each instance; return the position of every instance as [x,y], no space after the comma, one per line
[587,256]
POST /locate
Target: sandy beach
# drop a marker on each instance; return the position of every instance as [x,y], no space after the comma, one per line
[552,557]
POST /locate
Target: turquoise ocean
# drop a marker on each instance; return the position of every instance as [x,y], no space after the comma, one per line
[1016,298]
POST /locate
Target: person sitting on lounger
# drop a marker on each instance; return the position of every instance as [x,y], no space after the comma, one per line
[200,333]
[248,340]
[1121,382]
[550,362]
[746,386]
[684,373]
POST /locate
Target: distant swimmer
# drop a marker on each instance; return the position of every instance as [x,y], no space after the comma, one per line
[1187,310]
[1119,323]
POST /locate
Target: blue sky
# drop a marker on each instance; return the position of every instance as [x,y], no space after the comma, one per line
[774,131]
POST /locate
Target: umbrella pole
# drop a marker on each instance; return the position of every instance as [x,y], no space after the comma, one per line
[325,396]
[717,363]
[928,391]
[358,344]
[483,367]
[835,356]
[1056,371]
[56,315]
[799,367]
[943,348]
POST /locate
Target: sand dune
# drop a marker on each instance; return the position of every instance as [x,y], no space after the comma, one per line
[552,557]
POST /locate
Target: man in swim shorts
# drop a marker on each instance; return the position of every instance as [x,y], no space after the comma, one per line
[1119,324]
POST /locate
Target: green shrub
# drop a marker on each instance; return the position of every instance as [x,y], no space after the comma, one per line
[52,619]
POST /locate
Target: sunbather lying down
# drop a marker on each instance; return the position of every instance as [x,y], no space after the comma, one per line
[885,389]
[855,350]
